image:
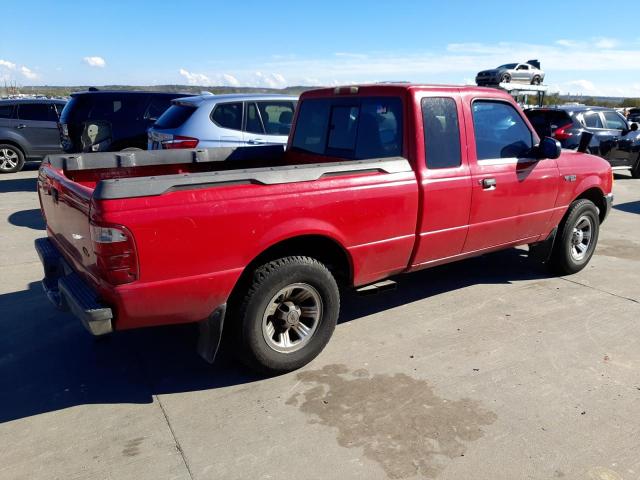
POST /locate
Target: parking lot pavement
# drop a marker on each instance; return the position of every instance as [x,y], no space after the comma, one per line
[487,368]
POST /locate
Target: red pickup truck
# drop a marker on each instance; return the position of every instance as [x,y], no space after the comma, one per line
[376,180]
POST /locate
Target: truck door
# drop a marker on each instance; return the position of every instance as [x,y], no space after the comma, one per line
[512,194]
[445,180]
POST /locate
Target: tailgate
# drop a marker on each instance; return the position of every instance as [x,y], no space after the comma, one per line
[65,205]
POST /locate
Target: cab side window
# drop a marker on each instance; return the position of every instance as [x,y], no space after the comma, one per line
[500,131]
[441,133]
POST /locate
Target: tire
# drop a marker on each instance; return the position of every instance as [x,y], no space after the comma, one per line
[635,170]
[506,78]
[11,159]
[536,80]
[277,329]
[567,256]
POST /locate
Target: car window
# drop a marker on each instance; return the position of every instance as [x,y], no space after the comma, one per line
[156,108]
[441,132]
[500,131]
[175,116]
[6,111]
[228,115]
[59,108]
[276,116]
[37,111]
[254,124]
[359,128]
[522,67]
[614,121]
[592,120]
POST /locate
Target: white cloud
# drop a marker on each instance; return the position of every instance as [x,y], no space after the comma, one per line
[584,86]
[269,80]
[95,61]
[195,78]
[7,64]
[606,43]
[28,73]
[230,80]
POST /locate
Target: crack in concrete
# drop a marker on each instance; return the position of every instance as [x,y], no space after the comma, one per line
[600,290]
[175,439]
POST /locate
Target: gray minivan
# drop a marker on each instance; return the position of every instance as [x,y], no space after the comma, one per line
[213,121]
[28,131]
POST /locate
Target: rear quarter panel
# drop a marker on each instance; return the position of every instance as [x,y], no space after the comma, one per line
[194,244]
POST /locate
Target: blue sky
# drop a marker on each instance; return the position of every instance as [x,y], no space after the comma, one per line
[332,42]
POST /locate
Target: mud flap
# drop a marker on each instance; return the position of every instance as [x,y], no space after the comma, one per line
[210,334]
[541,251]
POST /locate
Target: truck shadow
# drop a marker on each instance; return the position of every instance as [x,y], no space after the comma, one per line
[11,185]
[28,218]
[48,362]
[629,207]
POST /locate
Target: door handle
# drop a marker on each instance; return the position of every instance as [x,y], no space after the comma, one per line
[488,183]
[256,141]
[21,126]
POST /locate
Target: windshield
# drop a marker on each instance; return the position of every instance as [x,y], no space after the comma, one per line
[509,66]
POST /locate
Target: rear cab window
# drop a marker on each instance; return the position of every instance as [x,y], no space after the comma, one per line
[6,111]
[351,128]
[441,132]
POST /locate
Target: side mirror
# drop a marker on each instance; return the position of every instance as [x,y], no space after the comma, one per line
[549,148]
[633,127]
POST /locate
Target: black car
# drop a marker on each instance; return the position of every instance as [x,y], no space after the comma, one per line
[613,138]
[634,115]
[99,121]
[28,131]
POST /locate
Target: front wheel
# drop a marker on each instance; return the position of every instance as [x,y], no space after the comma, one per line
[288,314]
[506,78]
[536,80]
[11,159]
[577,238]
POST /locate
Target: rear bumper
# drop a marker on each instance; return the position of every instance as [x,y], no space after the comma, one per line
[608,200]
[67,291]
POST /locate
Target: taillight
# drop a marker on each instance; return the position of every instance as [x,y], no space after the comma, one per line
[561,133]
[180,142]
[116,256]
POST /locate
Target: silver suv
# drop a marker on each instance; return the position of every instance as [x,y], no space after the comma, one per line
[213,121]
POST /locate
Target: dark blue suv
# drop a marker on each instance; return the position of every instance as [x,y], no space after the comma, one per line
[613,138]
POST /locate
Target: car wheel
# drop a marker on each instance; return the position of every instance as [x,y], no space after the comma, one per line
[506,78]
[536,80]
[635,170]
[11,159]
[288,314]
[577,238]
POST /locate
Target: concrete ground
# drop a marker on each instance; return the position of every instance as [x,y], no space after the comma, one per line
[485,369]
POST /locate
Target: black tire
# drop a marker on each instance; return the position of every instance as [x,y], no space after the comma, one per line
[506,78]
[635,170]
[11,159]
[268,280]
[563,260]
[536,80]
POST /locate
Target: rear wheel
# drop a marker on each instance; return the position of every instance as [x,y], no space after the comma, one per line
[536,80]
[11,159]
[288,314]
[635,170]
[577,238]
